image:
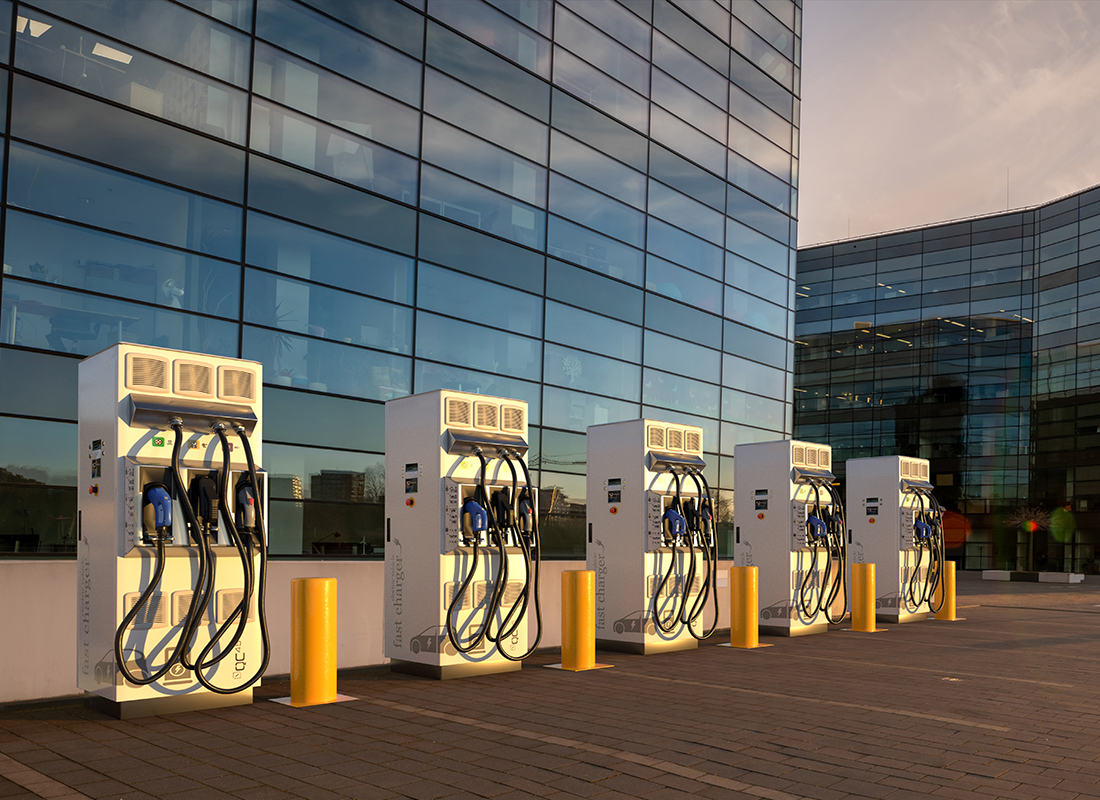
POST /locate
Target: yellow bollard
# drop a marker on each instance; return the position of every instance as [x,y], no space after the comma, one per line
[313,641]
[863,599]
[947,584]
[745,608]
[578,621]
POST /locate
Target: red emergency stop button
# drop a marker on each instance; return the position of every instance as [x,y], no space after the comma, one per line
[410,502]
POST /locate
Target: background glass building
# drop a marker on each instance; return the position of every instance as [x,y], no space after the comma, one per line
[585,205]
[974,344]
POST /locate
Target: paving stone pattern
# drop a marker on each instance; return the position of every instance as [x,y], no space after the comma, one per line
[1002,705]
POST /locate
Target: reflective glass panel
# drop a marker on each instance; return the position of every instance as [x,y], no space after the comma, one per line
[237,13]
[346,52]
[750,376]
[601,51]
[331,151]
[749,310]
[35,489]
[758,181]
[591,209]
[581,79]
[616,21]
[392,23]
[594,292]
[686,68]
[431,375]
[456,294]
[756,115]
[593,168]
[676,245]
[38,384]
[117,72]
[487,164]
[764,218]
[80,258]
[537,16]
[290,305]
[563,451]
[465,202]
[756,279]
[165,28]
[478,113]
[578,328]
[282,246]
[593,250]
[484,256]
[689,107]
[680,393]
[685,358]
[762,151]
[46,318]
[72,189]
[755,246]
[305,87]
[322,366]
[575,411]
[691,179]
[588,125]
[284,410]
[662,314]
[682,284]
[497,31]
[586,372]
[484,349]
[684,212]
[681,137]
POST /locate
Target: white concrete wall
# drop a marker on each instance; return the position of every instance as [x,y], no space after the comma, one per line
[38,618]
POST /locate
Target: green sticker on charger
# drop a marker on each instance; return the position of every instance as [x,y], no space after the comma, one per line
[158,441]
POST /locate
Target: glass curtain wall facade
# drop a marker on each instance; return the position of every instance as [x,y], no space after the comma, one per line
[974,344]
[585,205]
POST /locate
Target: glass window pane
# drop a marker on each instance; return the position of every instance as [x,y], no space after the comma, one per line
[473,65]
[692,36]
[760,117]
[317,92]
[578,328]
[676,245]
[334,421]
[431,375]
[756,279]
[710,15]
[288,192]
[755,147]
[469,345]
[615,20]
[452,293]
[754,344]
[598,130]
[118,72]
[562,514]
[682,138]
[689,178]
[562,408]
[74,190]
[583,288]
[586,372]
[761,216]
[237,13]
[484,256]
[682,284]
[676,355]
[478,113]
[392,23]
[79,258]
[291,305]
[536,16]
[759,182]
[749,310]
[680,393]
[754,82]
[763,55]
[126,140]
[686,68]
[662,314]
[497,31]
[601,51]
[163,27]
[478,160]
[580,78]
[457,199]
[581,204]
[741,373]
[563,451]
[331,151]
[5,30]
[689,107]
[68,322]
[755,246]
[774,32]
[593,250]
[346,52]
[709,426]
[684,212]
[321,366]
[38,384]
[295,250]
[593,168]
[40,517]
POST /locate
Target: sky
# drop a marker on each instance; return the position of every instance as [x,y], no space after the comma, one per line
[922,111]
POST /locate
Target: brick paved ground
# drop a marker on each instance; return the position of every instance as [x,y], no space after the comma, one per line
[1004,704]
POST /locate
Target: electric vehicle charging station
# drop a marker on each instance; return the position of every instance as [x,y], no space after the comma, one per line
[172,543]
[651,538]
[789,523]
[897,524]
[462,546]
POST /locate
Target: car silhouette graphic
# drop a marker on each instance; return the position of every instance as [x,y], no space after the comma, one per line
[633,623]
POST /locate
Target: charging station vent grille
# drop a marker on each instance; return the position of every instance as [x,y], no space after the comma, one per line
[811,456]
[181,602]
[675,440]
[798,455]
[904,468]
[511,419]
[236,384]
[458,413]
[153,614]
[924,470]
[487,416]
[228,600]
[449,593]
[148,373]
[824,458]
[194,380]
[656,438]
[693,441]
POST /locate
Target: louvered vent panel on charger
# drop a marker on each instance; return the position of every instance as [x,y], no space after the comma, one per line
[236,385]
[147,373]
[458,413]
[193,379]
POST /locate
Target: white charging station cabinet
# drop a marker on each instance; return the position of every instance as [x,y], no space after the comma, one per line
[629,488]
[127,395]
[431,469]
[882,510]
[772,491]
